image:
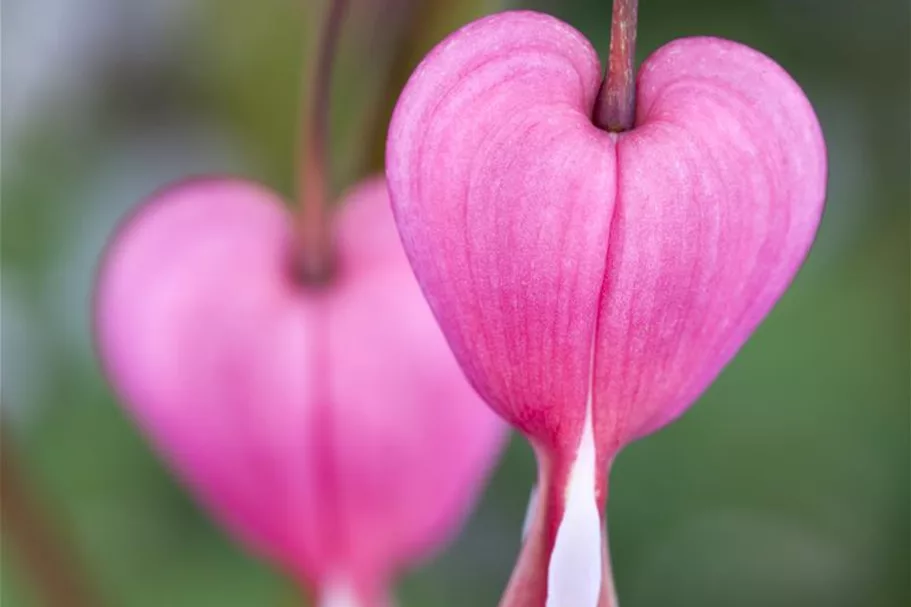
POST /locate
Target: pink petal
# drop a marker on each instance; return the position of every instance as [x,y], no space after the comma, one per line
[197,328]
[721,190]
[330,429]
[503,193]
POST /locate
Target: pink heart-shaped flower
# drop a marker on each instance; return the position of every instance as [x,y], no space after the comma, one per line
[330,428]
[594,283]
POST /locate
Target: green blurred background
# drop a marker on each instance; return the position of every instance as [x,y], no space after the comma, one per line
[787,484]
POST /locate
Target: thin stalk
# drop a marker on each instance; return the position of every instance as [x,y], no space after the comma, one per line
[408,52]
[46,559]
[615,109]
[425,24]
[314,230]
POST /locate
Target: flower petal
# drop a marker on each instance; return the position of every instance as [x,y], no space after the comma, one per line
[503,193]
[200,337]
[721,189]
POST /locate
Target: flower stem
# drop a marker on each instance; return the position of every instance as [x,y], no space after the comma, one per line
[316,260]
[45,557]
[615,109]
[421,28]
[406,55]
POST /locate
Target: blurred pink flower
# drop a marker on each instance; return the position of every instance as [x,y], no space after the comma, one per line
[593,284]
[329,427]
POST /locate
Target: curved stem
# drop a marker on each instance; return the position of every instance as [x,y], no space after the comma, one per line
[615,109]
[314,230]
[45,557]
[423,22]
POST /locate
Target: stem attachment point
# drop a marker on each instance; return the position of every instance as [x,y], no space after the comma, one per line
[315,259]
[615,108]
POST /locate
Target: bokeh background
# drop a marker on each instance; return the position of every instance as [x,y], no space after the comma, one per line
[787,484]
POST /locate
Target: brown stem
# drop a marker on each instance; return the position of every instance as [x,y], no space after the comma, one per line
[44,556]
[615,109]
[425,23]
[528,584]
[408,52]
[314,230]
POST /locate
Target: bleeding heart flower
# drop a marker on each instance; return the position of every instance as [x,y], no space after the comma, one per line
[592,284]
[328,427]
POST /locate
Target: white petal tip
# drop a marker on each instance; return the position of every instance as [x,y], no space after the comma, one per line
[574,572]
[338,595]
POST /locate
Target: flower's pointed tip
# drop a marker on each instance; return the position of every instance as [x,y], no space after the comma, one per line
[575,569]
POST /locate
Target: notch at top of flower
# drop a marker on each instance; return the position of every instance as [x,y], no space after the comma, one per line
[595,253]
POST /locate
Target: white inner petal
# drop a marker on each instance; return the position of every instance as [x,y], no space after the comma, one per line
[574,572]
[338,594]
[531,512]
